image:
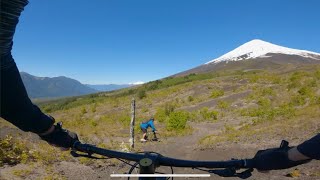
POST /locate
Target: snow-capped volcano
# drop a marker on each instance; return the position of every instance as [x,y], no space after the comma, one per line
[258,48]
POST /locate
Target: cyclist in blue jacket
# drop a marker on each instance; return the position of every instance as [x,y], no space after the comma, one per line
[144,128]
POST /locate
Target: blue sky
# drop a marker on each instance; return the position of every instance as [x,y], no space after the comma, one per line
[125,41]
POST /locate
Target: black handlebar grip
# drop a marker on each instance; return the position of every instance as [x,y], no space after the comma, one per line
[248,163]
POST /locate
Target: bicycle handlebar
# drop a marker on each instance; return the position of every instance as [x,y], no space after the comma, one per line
[160,160]
[149,161]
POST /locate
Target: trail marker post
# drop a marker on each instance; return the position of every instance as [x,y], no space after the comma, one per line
[133,113]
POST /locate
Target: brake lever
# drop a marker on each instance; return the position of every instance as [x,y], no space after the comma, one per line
[232,172]
[245,174]
[228,172]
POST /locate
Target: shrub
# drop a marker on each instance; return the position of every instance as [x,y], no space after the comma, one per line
[267,91]
[142,94]
[265,102]
[305,91]
[316,100]
[294,84]
[23,173]
[131,91]
[297,76]
[312,83]
[223,104]
[12,152]
[270,113]
[93,122]
[228,128]
[144,109]
[207,115]
[294,174]
[217,93]
[254,79]
[161,115]
[124,119]
[47,109]
[83,110]
[94,108]
[317,74]
[154,85]
[190,99]
[298,100]
[193,116]
[177,121]
[169,108]
[275,79]
[295,79]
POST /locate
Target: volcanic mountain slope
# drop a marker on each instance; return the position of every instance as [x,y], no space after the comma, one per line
[258,54]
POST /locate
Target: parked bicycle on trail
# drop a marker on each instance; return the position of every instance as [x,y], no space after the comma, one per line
[144,128]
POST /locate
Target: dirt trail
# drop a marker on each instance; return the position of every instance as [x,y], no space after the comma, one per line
[184,147]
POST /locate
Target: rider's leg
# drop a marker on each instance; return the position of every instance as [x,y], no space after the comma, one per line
[15,105]
[144,136]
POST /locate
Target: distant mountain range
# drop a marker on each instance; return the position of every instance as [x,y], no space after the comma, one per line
[46,87]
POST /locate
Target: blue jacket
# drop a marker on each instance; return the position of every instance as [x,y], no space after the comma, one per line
[146,125]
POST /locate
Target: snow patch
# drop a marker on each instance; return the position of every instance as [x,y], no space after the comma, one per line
[137,83]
